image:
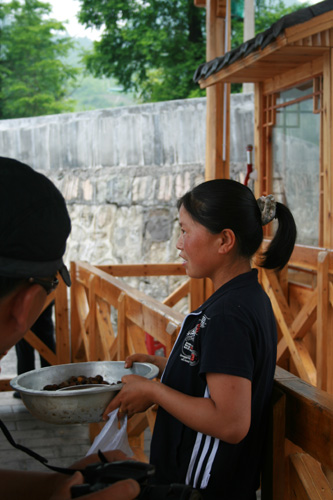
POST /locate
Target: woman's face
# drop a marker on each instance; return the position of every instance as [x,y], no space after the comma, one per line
[198,247]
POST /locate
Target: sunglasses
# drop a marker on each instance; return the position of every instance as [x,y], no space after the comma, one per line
[48,284]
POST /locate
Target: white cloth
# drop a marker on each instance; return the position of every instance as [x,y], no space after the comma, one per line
[111,437]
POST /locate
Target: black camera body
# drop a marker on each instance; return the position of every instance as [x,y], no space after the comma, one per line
[99,476]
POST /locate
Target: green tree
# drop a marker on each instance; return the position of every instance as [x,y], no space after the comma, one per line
[33,77]
[151,48]
[267,12]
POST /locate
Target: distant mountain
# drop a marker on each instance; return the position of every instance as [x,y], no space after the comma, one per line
[95,93]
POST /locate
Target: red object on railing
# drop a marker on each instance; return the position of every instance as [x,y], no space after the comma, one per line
[153,345]
[249,150]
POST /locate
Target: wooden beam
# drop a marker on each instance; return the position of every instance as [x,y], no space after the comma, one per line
[144,269]
[312,27]
[180,292]
[307,480]
[260,65]
[291,77]
[39,345]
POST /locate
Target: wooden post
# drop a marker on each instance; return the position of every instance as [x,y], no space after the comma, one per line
[327,183]
[217,114]
[258,161]
[322,319]
[248,33]
[327,138]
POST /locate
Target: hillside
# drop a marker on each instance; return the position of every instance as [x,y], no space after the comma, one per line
[95,93]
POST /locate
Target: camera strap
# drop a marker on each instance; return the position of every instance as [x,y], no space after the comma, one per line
[33,454]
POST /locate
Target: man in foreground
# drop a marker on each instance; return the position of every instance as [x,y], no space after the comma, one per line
[34,227]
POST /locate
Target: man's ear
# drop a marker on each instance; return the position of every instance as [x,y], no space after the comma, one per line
[228,240]
[26,306]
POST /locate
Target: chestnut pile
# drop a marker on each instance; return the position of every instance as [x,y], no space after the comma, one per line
[79,380]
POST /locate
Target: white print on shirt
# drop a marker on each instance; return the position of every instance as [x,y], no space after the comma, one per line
[202,459]
[189,353]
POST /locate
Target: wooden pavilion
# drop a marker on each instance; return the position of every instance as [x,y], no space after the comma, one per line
[291,65]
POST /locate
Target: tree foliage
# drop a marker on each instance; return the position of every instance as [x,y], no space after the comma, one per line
[153,47]
[34,80]
[267,12]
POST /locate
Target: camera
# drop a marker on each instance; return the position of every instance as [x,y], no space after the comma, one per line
[100,475]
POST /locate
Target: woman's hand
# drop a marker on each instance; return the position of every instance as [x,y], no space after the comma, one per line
[134,397]
[159,361]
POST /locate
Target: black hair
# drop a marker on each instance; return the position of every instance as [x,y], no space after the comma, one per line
[226,204]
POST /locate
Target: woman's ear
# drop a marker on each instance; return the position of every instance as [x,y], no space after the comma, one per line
[228,240]
[26,306]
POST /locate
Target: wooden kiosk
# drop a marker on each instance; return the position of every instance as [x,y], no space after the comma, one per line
[291,67]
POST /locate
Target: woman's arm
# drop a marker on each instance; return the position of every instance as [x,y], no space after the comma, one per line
[226,415]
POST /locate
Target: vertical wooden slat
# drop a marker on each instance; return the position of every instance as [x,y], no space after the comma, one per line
[322,320]
[121,334]
[74,317]
[61,324]
[92,319]
[258,140]
[197,296]
[272,485]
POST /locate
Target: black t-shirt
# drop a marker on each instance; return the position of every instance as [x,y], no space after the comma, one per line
[233,332]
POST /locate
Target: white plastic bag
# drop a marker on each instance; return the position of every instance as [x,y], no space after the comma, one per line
[111,437]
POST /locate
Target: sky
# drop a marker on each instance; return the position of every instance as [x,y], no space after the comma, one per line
[66,10]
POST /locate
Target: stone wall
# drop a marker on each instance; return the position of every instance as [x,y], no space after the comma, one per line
[121,171]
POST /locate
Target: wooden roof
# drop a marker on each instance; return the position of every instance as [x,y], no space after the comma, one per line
[296,39]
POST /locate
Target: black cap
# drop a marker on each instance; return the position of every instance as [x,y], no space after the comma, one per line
[34,223]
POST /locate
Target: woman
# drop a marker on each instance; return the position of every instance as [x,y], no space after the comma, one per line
[216,385]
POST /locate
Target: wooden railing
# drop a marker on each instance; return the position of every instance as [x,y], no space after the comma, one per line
[110,319]
[302,299]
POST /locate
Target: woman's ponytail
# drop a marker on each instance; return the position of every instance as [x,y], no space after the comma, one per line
[281,247]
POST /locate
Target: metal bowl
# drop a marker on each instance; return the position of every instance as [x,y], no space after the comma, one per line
[73,406]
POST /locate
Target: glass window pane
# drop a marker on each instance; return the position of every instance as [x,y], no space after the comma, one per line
[296,166]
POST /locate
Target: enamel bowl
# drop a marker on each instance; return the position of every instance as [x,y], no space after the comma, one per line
[75,406]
